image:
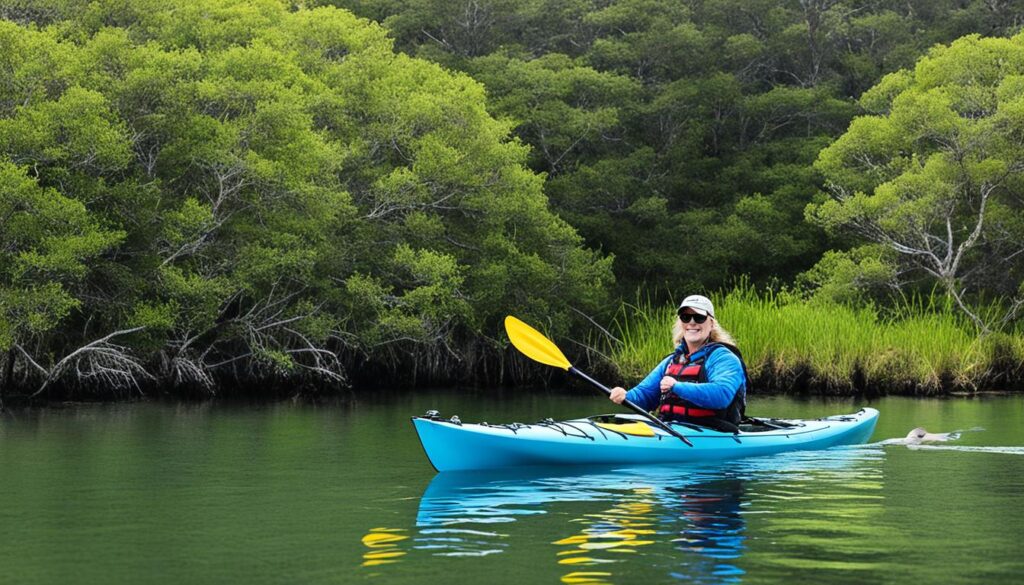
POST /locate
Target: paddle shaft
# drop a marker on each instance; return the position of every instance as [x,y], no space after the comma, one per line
[632,406]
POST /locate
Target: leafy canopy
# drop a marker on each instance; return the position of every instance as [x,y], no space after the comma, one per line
[239,187]
[933,180]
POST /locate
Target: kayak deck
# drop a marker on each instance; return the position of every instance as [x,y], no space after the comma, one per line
[453,445]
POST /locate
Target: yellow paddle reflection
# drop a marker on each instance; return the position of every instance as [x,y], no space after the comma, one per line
[619,530]
[383,545]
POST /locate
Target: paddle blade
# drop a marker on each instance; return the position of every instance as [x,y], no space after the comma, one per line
[534,345]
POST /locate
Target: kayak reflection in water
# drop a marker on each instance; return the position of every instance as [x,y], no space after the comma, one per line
[626,524]
[712,528]
[623,528]
[652,510]
[703,381]
[701,520]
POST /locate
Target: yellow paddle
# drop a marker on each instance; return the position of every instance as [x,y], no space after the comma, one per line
[538,348]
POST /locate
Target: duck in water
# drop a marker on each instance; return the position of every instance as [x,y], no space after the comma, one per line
[919,435]
[916,438]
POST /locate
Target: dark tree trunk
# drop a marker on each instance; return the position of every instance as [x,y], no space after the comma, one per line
[8,376]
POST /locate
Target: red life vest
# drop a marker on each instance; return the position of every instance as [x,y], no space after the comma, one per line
[683,369]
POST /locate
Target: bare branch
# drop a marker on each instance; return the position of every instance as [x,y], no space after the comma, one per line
[101,359]
[607,333]
[32,361]
[966,244]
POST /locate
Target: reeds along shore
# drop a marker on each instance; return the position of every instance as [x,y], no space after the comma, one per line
[923,346]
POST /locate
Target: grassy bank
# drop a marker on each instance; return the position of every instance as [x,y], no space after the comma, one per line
[922,347]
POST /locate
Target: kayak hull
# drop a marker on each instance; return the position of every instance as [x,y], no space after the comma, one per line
[452,445]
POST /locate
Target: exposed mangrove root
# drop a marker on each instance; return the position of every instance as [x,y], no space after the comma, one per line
[99,362]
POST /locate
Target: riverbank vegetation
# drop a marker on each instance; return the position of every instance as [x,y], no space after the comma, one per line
[198,194]
[203,194]
[923,345]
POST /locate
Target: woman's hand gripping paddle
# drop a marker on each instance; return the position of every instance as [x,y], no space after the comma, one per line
[538,348]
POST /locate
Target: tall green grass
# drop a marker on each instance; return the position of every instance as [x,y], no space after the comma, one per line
[923,345]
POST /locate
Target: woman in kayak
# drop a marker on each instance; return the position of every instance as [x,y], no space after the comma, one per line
[703,381]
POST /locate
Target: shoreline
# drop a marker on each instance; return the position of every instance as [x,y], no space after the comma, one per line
[791,347]
[563,385]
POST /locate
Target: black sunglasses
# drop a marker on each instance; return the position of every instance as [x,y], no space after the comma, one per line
[687,317]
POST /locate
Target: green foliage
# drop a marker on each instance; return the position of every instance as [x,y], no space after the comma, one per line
[48,240]
[659,124]
[932,181]
[280,189]
[561,108]
[853,277]
[76,130]
[923,346]
[262,190]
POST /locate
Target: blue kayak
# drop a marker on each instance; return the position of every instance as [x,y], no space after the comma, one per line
[452,445]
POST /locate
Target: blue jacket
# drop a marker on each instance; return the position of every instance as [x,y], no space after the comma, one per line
[725,379]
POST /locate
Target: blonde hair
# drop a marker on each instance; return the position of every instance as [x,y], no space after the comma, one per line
[718,333]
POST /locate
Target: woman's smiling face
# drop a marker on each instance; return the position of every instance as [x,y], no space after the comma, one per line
[695,334]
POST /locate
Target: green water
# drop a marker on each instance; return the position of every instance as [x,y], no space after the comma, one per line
[286,493]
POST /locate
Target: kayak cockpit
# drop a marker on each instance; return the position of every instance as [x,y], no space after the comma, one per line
[747,426]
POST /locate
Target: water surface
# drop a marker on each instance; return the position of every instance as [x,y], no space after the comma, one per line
[342,493]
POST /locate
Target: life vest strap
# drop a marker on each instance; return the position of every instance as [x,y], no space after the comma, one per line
[685,411]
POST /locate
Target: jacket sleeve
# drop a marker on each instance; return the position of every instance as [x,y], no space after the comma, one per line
[725,379]
[647,394]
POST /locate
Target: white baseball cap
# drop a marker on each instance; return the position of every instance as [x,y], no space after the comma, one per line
[700,304]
